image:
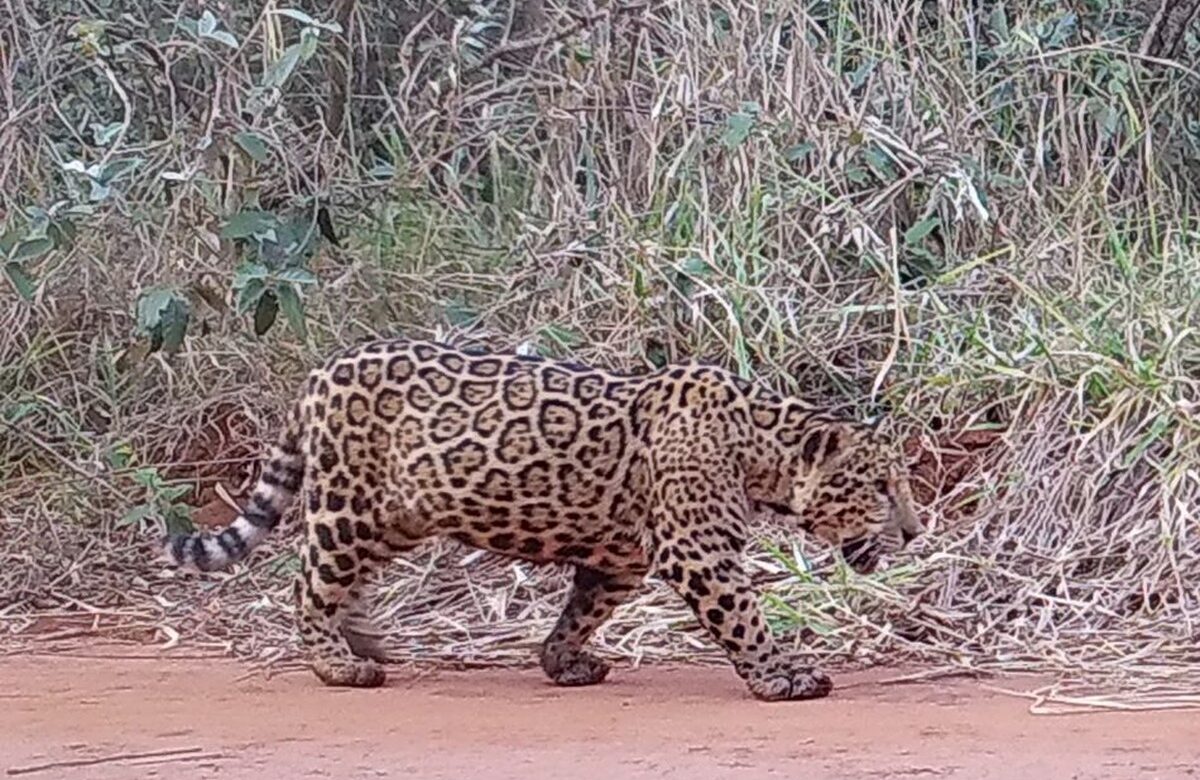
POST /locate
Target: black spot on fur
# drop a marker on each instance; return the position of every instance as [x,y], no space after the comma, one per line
[808,452]
[501,541]
[530,546]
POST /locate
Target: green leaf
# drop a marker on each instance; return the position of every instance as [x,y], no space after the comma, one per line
[104,134]
[299,16]
[120,456]
[8,240]
[880,163]
[998,21]
[304,18]
[1064,29]
[293,309]
[174,324]
[164,313]
[249,294]
[147,477]
[264,312]
[99,191]
[76,166]
[14,413]
[695,266]
[150,307]
[206,27]
[382,170]
[118,168]
[172,492]
[737,129]
[281,70]
[247,272]
[245,224]
[31,248]
[221,36]
[799,152]
[1160,425]
[21,281]
[62,232]
[297,276]
[136,515]
[309,37]
[287,565]
[915,234]
[253,145]
[206,24]
[178,519]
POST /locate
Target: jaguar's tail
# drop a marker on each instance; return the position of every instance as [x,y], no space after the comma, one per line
[277,485]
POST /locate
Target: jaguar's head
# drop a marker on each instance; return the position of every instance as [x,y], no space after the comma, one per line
[851,489]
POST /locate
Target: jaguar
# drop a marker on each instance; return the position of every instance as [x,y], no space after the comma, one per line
[623,476]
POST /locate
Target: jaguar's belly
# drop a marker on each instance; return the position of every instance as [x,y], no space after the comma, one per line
[601,549]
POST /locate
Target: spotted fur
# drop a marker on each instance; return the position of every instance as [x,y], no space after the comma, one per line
[394,443]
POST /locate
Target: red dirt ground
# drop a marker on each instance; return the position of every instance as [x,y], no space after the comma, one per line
[657,722]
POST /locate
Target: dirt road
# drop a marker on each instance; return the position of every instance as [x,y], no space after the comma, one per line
[689,723]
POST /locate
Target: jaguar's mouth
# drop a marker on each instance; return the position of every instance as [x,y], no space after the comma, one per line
[777,508]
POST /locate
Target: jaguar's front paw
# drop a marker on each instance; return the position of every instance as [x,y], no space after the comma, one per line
[351,674]
[570,666]
[786,679]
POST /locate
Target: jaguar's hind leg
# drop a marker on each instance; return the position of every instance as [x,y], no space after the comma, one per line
[342,553]
[359,631]
[331,578]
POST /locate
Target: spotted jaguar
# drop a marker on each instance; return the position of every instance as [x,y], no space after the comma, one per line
[394,443]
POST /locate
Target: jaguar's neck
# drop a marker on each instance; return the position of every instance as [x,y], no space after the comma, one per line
[791,438]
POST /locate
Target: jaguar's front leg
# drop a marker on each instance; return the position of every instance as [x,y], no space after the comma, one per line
[699,552]
[593,598]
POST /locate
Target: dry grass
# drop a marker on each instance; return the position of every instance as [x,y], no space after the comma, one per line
[981,223]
